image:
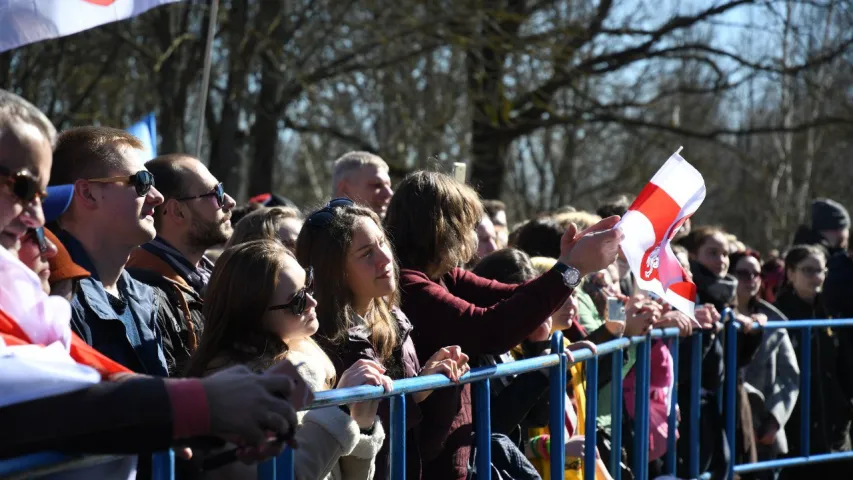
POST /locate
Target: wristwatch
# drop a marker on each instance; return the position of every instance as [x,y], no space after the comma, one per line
[571,275]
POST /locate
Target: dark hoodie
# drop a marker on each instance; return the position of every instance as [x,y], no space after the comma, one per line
[831,388]
[838,287]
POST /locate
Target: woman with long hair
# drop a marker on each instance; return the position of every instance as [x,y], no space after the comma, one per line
[831,375]
[259,310]
[431,222]
[774,371]
[359,316]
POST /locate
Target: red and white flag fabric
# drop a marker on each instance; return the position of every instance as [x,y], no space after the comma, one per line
[29,21]
[673,195]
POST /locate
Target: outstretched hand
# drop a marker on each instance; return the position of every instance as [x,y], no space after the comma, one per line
[592,249]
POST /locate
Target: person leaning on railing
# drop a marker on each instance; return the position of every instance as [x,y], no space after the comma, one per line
[431,221]
[831,375]
[360,319]
[259,311]
[136,414]
[773,376]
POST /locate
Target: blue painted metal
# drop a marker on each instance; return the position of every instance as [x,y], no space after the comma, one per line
[805,397]
[284,464]
[672,418]
[641,410]
[397,449]
[163,465]
[483,429]
[730,384]
[557,405]
[591,417]
[695,405]
[616,414]
[266,470]
[793,462]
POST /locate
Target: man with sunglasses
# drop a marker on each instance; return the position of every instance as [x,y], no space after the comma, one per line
[111,213]
[194,217]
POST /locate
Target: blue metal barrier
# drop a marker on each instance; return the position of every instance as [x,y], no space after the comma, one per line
[804,398]
[282,467]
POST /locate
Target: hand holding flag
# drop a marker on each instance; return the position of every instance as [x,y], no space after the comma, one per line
[592,249]
[674,194]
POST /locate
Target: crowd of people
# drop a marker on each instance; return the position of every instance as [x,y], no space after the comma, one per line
[150,311]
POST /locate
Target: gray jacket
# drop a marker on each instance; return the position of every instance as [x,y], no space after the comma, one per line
[774,373]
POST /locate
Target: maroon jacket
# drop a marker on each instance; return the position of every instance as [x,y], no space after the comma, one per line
[483,317]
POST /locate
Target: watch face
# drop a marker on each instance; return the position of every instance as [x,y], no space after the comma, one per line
[572,276]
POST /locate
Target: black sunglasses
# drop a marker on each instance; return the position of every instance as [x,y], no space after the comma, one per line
[142,181]
[23,184]
[38,235]
[297,305]
[218,192]
[323,217]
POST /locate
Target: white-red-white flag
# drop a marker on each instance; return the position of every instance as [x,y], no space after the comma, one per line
[29,21]
[672,196]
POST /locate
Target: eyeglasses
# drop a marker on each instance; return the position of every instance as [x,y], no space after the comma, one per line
[38,235]
[23,184]
[322,218]
[218,193]
[142,181]
[297,305]
[746,275]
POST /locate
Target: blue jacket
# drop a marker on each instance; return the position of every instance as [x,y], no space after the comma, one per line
[132,339]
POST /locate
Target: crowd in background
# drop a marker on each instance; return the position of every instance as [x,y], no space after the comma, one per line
[204,322]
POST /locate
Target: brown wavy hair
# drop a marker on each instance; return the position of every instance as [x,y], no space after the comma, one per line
[261,224]
[241,286]
[431,222]
[325,248]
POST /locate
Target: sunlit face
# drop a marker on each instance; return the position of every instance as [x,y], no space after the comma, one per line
[370,186]
[807,277]
[119,209]
[282,321]
[210,223]
[288,232]
[486,237]
[31,255]
[713,254]
[23,148]
[748,274]
[369,263]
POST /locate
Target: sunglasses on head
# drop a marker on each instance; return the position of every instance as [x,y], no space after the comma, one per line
[218,193]
[23,184]
[38,235]
[322,218]
[142,181]
[300,300]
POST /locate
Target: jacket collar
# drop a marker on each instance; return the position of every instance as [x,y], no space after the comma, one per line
[142,259]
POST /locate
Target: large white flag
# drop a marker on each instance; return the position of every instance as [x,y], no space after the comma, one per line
[29,21]
[672,196]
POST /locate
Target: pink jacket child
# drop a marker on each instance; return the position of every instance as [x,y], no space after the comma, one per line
[661,382]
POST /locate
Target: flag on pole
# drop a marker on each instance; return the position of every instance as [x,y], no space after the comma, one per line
[146,131]
[29,21]
[673,195]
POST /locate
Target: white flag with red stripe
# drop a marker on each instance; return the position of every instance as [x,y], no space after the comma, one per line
[29,21]
[672,196]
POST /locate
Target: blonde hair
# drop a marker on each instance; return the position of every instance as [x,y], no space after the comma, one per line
[582,219]
[262,224]
[543,264]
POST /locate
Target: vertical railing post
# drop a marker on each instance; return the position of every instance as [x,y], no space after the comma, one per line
[483,429]
[591,417]
[163,465]
[730,386]
[557,424]
[267,470]
[397,449]
[695,403]
[641,409]
[616,416]
[672,419]
[284,465]
[805,390]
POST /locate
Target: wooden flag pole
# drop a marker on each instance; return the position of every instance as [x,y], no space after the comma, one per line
[205,76]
